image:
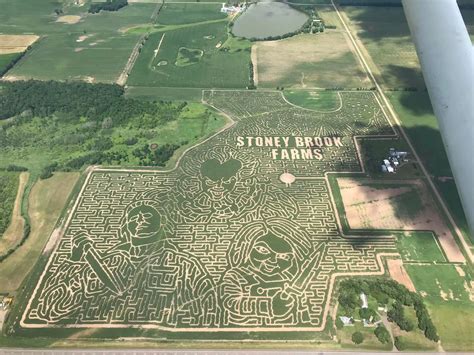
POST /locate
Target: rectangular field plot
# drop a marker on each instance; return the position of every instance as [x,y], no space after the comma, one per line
[309,61]
[419,246]
[191,57]
[90,57]
[178,14]
[440,282]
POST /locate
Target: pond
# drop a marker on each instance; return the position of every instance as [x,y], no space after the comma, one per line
[268,19]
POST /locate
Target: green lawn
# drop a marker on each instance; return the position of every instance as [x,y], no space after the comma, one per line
[178,14]
[314,100]
[419,246]
[415,111]
[216,68]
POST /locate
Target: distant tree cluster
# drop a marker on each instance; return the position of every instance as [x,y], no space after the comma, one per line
[109,5]
[8,189]
[158,156]
[384,291]
[71,99]
[251,85]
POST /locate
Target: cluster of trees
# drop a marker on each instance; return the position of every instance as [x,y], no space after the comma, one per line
[382,334]
[109,5]
[251,85]
[94,110]
[357,337]
[386,291]
[8,189]
[72,99]
[158,156]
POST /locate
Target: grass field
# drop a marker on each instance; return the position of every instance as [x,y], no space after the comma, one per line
[40,141]
[416,113]
[419,246]
[216,68]
[449,302]
[314,100]
[309,61]
[46,202]
[178,14]
[439,282]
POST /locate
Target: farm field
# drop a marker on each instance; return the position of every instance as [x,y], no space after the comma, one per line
[186,13]
[420,246]
[213,68]
[416,114]
[386,36]
[94,49]
[309,61]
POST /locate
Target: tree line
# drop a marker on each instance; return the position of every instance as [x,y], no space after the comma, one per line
[109,5]
[72,99]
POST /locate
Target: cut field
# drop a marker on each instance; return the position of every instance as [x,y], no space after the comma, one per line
[216,68]
[402,206]
[309,61]
[46,202]
[16,43]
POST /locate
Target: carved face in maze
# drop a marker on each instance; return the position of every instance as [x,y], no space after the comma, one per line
[143,223]
[219,179]
[271,255]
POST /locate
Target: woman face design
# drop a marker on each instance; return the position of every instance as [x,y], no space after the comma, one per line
[271,255]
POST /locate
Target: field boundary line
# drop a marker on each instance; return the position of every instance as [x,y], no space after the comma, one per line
[394,115]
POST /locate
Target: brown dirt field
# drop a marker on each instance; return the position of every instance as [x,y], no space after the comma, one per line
[16,43]
[14,232]
[399,274]
[46,201]
[323,60]
[69,19]
[368,207]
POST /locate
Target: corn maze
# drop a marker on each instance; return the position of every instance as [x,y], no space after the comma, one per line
[242,235]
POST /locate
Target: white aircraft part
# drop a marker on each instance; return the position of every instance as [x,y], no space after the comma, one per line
[447,60]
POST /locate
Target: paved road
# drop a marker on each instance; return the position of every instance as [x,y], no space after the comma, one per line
[195,352]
